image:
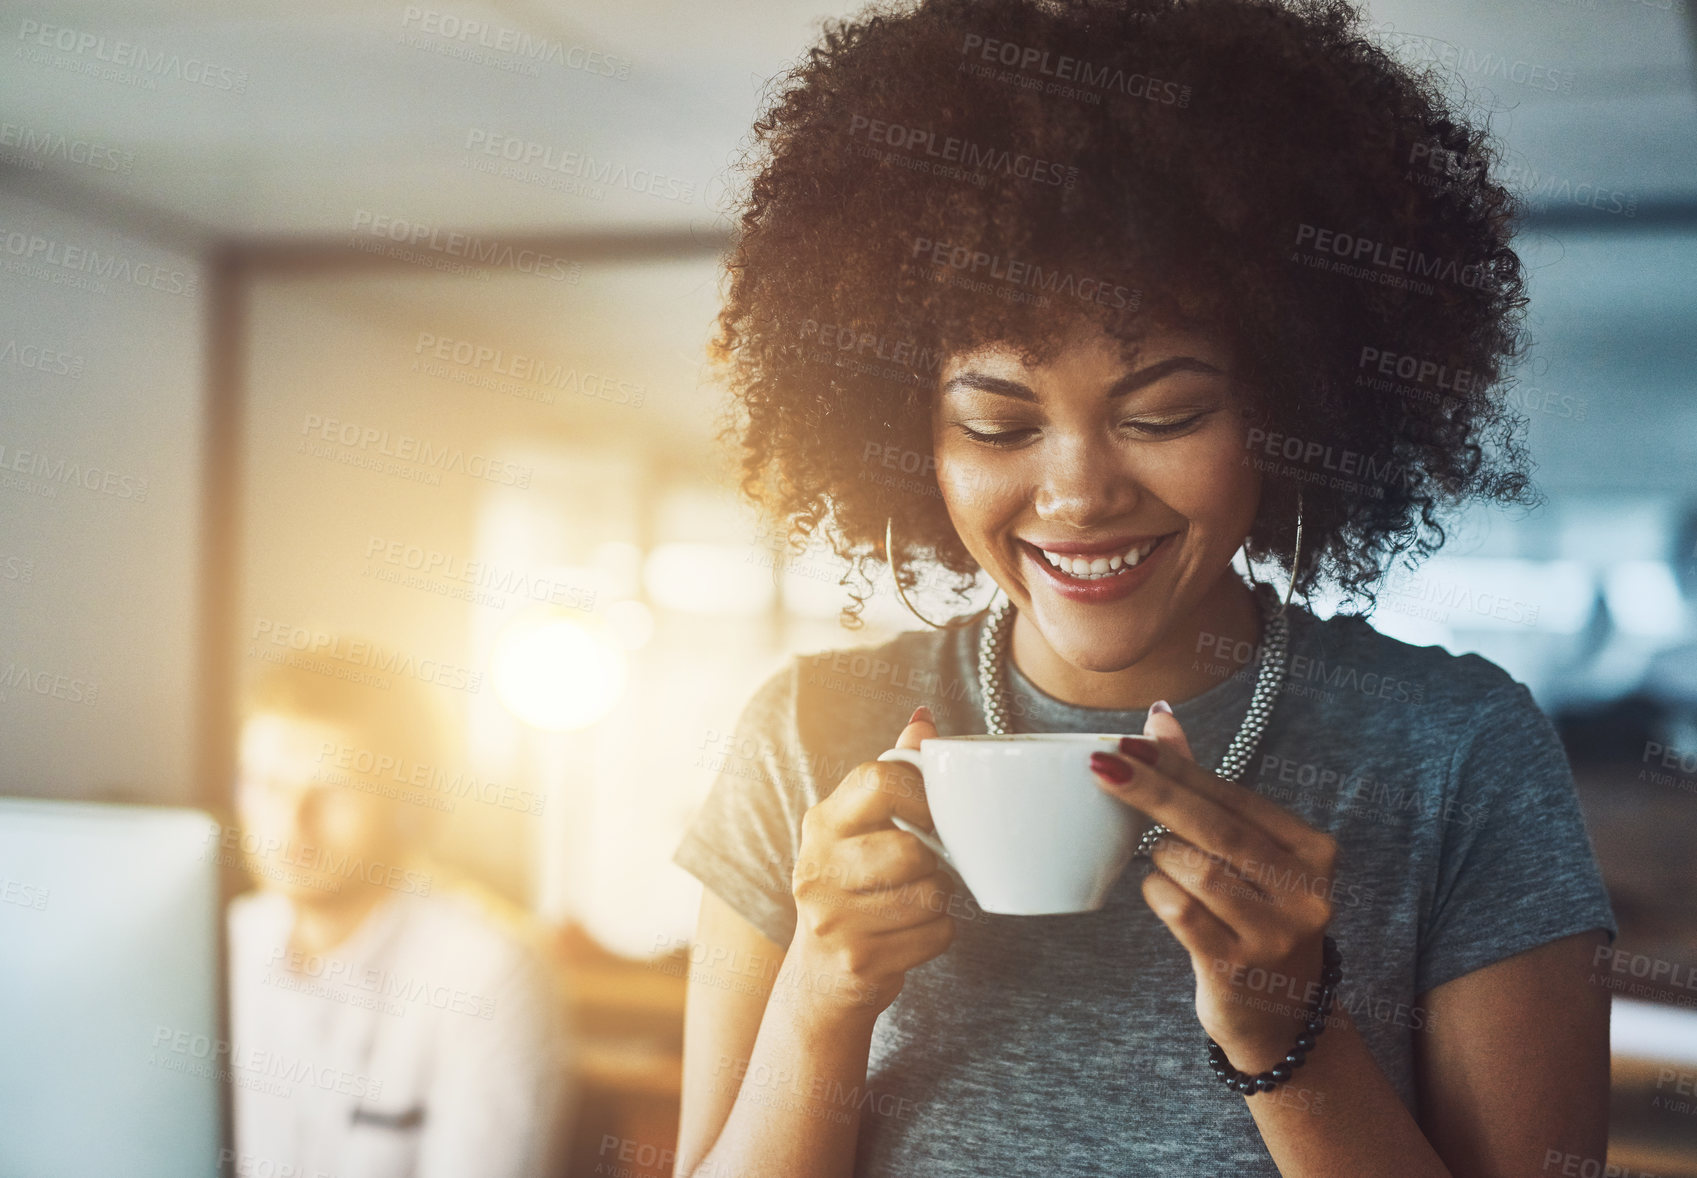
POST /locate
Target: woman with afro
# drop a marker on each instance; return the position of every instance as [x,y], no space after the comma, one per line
[1087,299]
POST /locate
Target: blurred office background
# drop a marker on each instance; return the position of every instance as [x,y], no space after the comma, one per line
[258,418]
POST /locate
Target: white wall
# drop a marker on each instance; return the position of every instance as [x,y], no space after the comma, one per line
[99,493]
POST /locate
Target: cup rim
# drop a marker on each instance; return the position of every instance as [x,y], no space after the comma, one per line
[1013,738]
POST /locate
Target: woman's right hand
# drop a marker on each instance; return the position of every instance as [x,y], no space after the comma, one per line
[872,901]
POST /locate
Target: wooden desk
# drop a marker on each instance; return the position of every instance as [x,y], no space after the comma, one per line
[629,1019]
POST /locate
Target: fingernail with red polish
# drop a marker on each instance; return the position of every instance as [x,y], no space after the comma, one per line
[921,713]
[1111,767]
[1140,747]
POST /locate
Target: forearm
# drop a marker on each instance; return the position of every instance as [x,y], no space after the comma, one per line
[796,1113]
[1338,1116]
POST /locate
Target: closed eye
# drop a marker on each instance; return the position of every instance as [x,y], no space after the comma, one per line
[1164,428]
[1001,439]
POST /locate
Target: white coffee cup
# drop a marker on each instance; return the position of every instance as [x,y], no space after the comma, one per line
[1022,821]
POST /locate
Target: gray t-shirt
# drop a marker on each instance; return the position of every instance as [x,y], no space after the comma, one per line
[1069,1045]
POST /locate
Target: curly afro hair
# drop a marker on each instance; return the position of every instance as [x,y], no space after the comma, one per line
[939,175]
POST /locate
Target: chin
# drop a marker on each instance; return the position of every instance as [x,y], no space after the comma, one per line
[1100,649]
[1103,662]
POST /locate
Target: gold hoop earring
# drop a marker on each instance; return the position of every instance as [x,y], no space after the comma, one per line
[890,559]
[1295,559]
[1295,555]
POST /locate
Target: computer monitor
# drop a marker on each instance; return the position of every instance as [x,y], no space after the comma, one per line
[110,984]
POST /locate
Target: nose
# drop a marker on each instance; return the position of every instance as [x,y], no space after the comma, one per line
[1083,485]
[308,810]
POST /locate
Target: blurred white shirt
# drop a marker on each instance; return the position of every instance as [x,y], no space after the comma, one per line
[429,1044]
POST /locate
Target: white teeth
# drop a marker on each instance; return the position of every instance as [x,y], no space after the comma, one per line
[1090,568]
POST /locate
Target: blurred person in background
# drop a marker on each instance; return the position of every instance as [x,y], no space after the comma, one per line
[386,1020]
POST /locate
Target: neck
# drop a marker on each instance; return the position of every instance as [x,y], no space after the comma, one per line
[322,924]
[1179,666]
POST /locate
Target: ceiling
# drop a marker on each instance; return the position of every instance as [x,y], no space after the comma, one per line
[322,113]
[356,107]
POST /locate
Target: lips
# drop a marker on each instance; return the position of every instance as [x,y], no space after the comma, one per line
[1106,574]
[1098,561]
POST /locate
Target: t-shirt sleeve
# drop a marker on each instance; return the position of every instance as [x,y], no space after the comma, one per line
[1517,868]
[741,843]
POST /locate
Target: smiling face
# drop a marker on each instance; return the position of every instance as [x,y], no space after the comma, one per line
[1134,464]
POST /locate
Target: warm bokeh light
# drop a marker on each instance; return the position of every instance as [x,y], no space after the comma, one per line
[720,580]
[631,622]
[557,673]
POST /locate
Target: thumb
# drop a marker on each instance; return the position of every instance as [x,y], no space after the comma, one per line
[1164,727]
[920,727]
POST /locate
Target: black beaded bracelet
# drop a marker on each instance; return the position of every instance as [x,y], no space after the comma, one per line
[1330,975]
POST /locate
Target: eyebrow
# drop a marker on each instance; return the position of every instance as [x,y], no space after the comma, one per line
[1124,386]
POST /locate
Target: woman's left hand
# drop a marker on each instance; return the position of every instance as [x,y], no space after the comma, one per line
[1244,885]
